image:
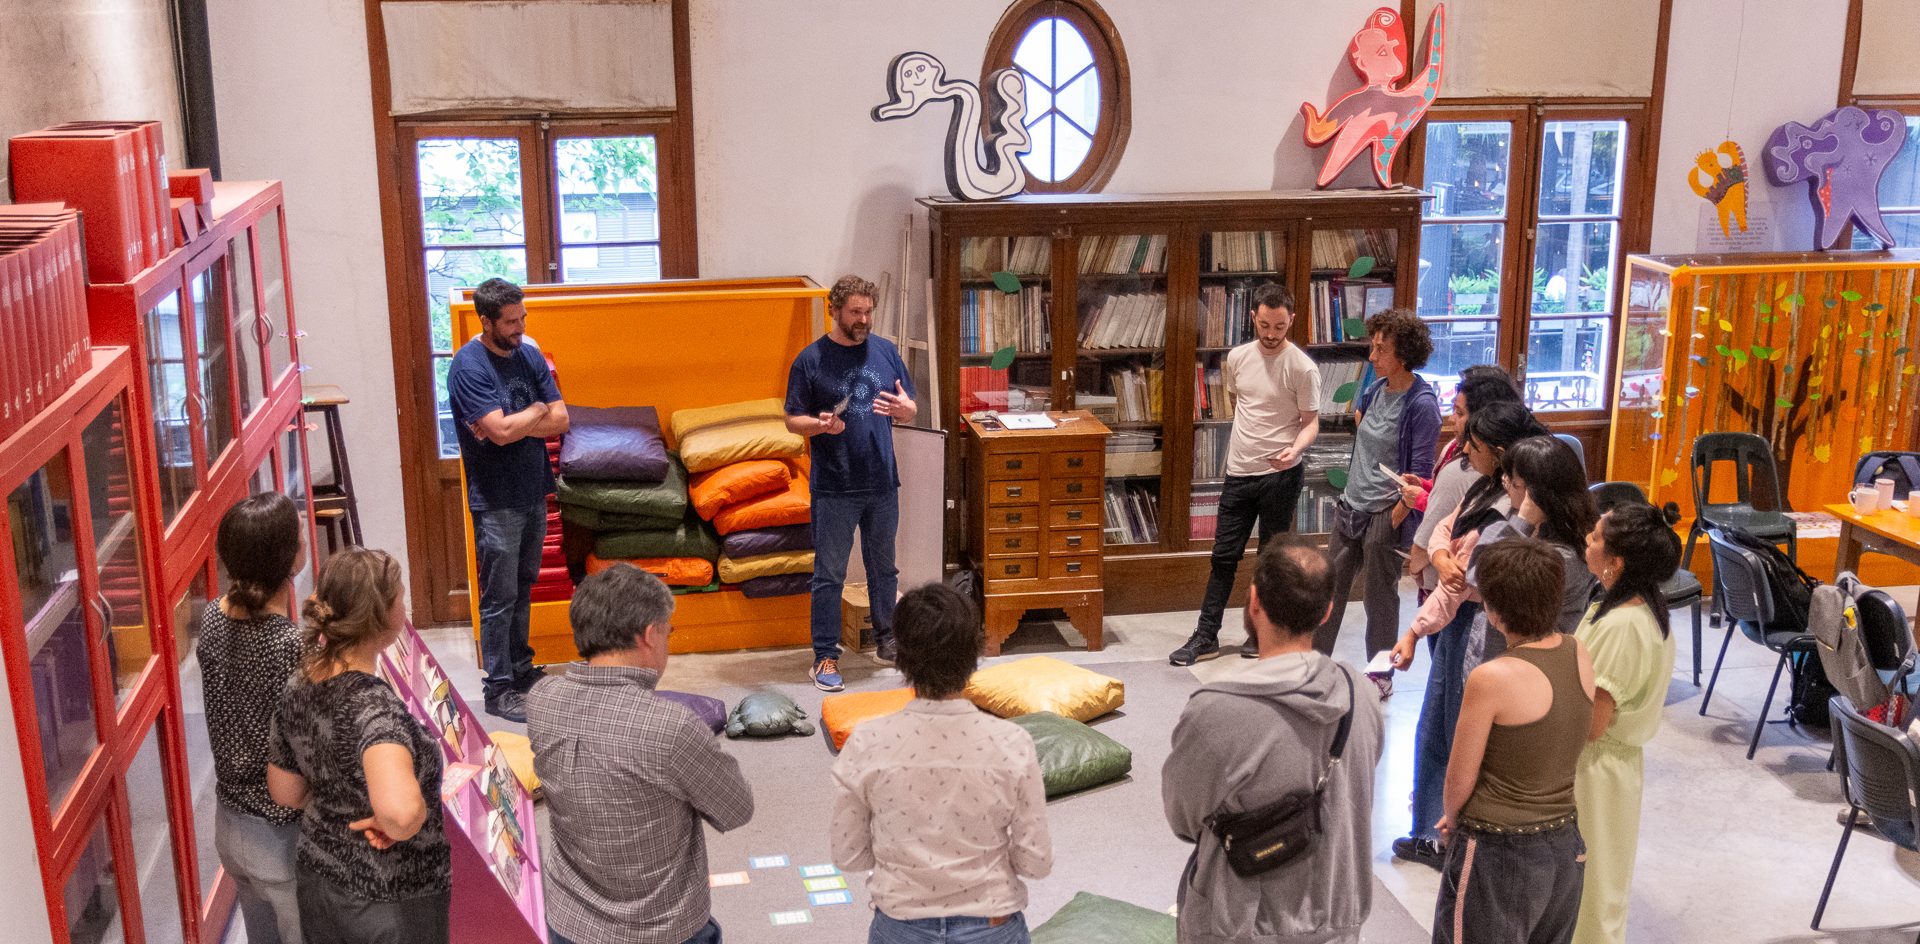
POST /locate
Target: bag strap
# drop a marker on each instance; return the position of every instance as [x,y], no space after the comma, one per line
[1339,745]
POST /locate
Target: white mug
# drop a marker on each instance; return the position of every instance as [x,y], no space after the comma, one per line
[1885,489]
[1865,501]
[1913,505]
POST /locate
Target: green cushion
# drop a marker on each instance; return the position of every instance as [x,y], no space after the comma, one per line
[666,501]
[593,519]
[1090,917]
[693,538]
[1072,755]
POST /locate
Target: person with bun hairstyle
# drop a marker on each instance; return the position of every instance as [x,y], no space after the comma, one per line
[249,646]
[374,866]
[1632,550]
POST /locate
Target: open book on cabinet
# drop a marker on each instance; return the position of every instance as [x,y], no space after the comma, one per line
[1126,306]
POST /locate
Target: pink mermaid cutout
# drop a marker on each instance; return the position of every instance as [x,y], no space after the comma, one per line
[1377,115]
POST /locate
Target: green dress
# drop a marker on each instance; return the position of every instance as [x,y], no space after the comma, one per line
[1634,663]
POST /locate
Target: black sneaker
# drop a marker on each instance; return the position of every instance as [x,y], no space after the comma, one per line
[1251,650]
[886,652]
[510,704]
[1198,648]
[1427,852]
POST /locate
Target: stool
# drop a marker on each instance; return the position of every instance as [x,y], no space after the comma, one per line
[326,400]
[332,521]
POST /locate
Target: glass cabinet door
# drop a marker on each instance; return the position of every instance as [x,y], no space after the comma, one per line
[156,879]
[247,331]
[93,894]
[112,505]
[273,281]
[1006,338]
[40,513]
[213,351]
[1120,327]
[172,428]
[193,714]
[1233,266]
[293,465]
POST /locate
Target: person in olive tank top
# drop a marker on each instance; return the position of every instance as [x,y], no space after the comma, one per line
[1515,860]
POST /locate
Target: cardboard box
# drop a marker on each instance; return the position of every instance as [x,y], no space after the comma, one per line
[856,617]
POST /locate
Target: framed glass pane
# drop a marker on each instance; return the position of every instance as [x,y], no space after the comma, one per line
[1457,345]
[1467,163]
[293,457]
[1120,371]
[608,189]
[1063,97]
[1567,363]
[209,294]
[247,355]
[1580,166]
[92,895]
[1233,266]
[193,713]
[449,269]
[167,383]
[443,409]
[111,502]
[273,278]
[1015,324]
[1905,228]
[150,820]
[40,512]
[1900,185]
[470,191]
[1460,269]
[1573,267]
[631,262]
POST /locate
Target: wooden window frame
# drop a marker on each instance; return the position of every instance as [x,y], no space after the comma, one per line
[1109,61]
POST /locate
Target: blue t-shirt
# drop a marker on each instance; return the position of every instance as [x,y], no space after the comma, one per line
[479,382]
[859,458]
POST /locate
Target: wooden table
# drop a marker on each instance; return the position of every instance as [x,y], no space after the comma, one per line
[1890,531]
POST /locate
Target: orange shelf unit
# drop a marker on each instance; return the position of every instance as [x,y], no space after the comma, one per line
[669,345]
[1813,351]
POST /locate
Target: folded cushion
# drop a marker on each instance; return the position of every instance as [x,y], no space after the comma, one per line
[1072,755]
[621,442]
[715,489]
[693,419]
[691,538]
[593,519]
[1043,683]
[793,506]
[757,541]
[739,441]
[840,713]
[711,711]
[665,500]
[765,565]
[784,585]
[1090,917]
[672,571]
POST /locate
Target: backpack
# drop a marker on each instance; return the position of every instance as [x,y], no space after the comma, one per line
[1791,587]
[1862,632]
[1811,691]
[1902,467]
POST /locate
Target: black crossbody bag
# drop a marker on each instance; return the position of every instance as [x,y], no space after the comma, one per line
[1263,839]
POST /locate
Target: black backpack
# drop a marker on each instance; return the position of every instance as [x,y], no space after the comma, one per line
[1792,588]
[1902,467]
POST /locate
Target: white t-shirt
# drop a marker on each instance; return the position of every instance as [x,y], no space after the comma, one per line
[1272,395]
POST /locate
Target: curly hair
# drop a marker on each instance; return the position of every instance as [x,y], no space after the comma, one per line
[848,287]
[1412,342]
[350,604]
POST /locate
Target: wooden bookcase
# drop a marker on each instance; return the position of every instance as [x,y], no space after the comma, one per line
[1156,285]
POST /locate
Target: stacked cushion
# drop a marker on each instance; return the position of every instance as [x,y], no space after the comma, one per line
[783,585]
[1043,683]
[748,477]
[621,443]
[554,582]
[672,571]
[743,569]
[650,525]
[1090,917]
[710,437]
[841,713]
[662,501]
[755,541]
[711,711]
[773,510]
[1072,755]
[715,489]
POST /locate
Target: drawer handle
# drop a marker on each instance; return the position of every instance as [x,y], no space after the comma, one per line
[1073,540]
[1014,517]
[1073,568]
[1073,515]
[1012,569]
[1073,488]
[1015,463]
[1013,491]
[1074,462]
[1013,544]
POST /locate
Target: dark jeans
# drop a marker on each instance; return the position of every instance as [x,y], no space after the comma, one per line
[1433,739]
[506,544]
[329,916]
[1271,499]
[877,515]
[1362,541]
[956,930]
[1511,889]
[710,934]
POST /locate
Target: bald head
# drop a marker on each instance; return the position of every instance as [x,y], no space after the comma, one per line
[1292,586]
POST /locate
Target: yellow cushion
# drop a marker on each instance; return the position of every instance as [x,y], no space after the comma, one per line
[840,713]
[1042,683]
[738,441]
[731,484]
[743,569]
[700,417]
[519,754]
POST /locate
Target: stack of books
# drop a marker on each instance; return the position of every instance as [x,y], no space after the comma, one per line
[1123,255]
[1133,320]
[980,258]
[115,174]
[1225,316]
[1244,252]
[1334,301]
[1137,392]
[1337,374]
[1133,513]
[1210,400]
[1338,248]
[991,319]
[1210,452]
[43,309]
[1203,515]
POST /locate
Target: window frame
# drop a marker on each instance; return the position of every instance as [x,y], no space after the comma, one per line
[1109,61]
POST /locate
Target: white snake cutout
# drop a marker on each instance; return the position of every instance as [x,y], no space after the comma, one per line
[977,168]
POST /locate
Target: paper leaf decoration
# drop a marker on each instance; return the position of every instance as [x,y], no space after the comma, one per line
[1668,476]
[979,166]
[1377,115]
[1360,267]
[1007,282]
[1782,402]
[1002,359]
[1726,326]
[1850,295]
[1840,158]
[1346,391]
[1354,328]
[1822,452]
[1337,478]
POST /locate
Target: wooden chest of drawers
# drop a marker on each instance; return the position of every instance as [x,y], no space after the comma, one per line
[1034,521]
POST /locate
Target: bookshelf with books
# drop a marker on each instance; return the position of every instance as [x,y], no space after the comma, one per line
[1157,282]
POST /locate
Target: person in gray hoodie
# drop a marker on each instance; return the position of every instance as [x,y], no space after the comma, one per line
[1259,733]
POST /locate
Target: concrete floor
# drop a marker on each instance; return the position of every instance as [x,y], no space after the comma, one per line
[1731,849]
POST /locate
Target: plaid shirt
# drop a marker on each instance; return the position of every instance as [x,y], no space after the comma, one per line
[628,777]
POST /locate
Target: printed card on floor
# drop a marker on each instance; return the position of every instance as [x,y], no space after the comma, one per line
[826,884]
[789,917]
[842,897]
[816,871]
[727,878]
[767,862]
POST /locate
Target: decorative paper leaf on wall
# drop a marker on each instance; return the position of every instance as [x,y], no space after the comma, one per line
[1829,301]
[1355,328]
[1850,295]
[1761,353]
[1668,476]
[1782,402]
[1826,331]
[1346,391]
[1007,282]
[1900,351]
[1764,308]
[1361,266]
[1723,350]
[1866,444]
[1726,326]
[1796,299]
[1875,306]
[1337,478]
[1692,392]
[1002,359]
[1700,359]
[1907,371]
[1822,452]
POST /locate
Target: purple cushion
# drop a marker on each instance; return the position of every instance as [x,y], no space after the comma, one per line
[777,586]
[711,711]
[793,537]
[620,443]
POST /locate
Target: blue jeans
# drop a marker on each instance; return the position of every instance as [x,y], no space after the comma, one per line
[955,930]
[506,544]
[258,856]
[877,514]
[1433,739]
[710,934]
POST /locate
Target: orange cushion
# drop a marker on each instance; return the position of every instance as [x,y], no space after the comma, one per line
[841,712]
[672,571]
[731,484]
[773,510]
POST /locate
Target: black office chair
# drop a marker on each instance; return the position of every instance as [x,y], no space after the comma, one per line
[1760,514]
[1741,591]
[1683,588]
[1880,776]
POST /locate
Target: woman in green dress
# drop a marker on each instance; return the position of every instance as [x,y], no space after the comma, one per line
[1631,550]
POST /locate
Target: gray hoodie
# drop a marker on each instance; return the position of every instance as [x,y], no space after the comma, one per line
[1245,741]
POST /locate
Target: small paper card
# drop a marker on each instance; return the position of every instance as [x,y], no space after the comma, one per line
[1382,663]
[789,917]
[826,884]
[816,871]
[767,862]
[1025,421]
[727,878]
[841,897]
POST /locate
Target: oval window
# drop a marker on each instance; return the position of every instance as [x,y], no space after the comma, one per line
[1076,78]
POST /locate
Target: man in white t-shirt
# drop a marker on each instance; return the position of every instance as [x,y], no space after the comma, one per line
[1275,390]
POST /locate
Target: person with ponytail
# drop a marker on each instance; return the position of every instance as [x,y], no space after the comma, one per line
[1547,488]
[374,866]
[1632,550]
[249,646]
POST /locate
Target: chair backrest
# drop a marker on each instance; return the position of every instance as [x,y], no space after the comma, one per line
[1879,769]
[1573,442]
[1756,478]
[1843,655]
[1740,584]
[1902,467]
[1610,494]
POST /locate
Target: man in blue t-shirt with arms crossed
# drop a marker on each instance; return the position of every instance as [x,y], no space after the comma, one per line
[844,393]
[505,405]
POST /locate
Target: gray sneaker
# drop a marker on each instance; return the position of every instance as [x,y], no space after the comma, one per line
[510,704]
[886,651]
[1197,648]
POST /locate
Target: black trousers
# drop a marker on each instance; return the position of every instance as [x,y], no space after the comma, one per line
[1502,888]
[328,915]
[1269,499]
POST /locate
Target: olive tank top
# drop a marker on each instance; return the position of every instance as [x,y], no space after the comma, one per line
[1526,777]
